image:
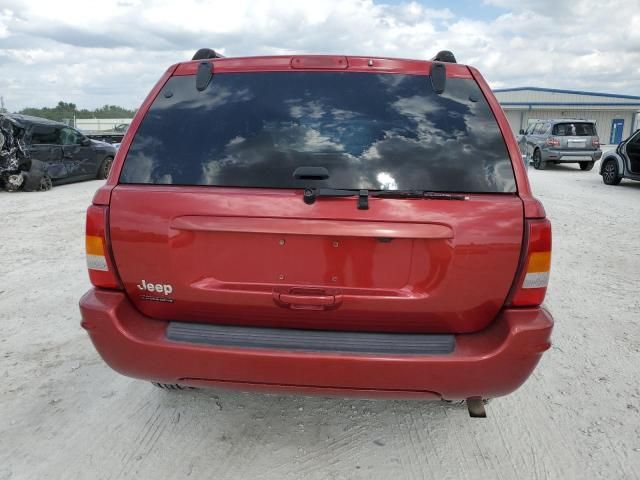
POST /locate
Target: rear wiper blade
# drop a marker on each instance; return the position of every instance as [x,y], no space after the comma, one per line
[310,195]
[397,193]
[418,194]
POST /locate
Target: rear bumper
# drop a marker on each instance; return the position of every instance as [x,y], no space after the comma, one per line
[490,363]
[571,155]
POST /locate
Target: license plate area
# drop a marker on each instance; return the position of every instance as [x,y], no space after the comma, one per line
[577,143]
[263,259]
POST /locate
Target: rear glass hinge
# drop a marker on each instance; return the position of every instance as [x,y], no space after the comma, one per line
[438,77]
[203,76]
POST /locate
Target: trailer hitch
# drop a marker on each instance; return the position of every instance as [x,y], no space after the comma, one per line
[475,405]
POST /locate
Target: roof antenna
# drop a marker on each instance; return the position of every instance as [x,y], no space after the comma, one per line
[206,53]
[444,56]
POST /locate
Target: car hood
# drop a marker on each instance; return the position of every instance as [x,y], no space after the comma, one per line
[102,146]
[99,143]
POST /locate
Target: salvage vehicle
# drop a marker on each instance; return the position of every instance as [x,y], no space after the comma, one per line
[333,225]
[67,154]
[18,171]
[561,141]
[623,162]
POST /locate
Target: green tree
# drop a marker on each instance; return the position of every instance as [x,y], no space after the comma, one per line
[64,110]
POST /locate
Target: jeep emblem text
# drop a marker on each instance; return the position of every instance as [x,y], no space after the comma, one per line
[156,287]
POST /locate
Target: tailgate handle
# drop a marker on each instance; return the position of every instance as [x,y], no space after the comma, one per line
[307,300]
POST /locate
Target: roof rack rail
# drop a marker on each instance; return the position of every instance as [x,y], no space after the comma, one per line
[205,54]
[444,56]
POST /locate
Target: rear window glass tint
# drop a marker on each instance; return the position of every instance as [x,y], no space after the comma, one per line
[574,129]
[371,131]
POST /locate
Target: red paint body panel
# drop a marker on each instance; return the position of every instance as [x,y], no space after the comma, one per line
[324,63]
[446,266]
[489,363]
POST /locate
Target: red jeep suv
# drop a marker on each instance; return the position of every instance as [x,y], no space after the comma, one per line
[320,224]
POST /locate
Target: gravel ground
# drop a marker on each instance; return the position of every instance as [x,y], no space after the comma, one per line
[64,414]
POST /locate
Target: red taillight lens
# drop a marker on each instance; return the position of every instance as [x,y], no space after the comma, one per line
[99,262]
[595,142]
[533,277]
[553,142]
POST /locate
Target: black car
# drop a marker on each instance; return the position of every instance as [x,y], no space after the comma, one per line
[623,162]
[67,154]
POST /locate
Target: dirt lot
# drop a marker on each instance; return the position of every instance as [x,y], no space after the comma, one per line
[64,414]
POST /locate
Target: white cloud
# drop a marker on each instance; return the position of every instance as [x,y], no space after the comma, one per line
[74,50]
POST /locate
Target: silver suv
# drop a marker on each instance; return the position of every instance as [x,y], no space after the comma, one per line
[560,141]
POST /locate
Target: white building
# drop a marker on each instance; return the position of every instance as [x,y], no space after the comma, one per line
[616,116]
[99,124]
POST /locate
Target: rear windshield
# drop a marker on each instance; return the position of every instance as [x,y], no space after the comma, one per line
[574,129]
[370,131]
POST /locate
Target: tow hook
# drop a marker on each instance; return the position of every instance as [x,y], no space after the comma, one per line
[475,405]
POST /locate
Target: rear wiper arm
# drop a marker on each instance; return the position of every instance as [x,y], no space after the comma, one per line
[310,195]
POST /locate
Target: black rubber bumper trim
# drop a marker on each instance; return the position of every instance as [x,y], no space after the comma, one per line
[358,343]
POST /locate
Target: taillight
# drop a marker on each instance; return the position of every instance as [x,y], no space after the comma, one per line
[595,141]
[99,262]
[553,142]
[533,277]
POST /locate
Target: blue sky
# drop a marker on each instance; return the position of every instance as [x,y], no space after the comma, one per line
[70,50]
[460,8]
